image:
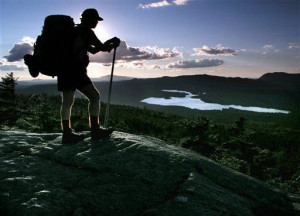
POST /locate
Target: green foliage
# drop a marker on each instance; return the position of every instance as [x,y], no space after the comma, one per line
[267,153]
[240,125]
[7,87]
[39,113]
[8,109]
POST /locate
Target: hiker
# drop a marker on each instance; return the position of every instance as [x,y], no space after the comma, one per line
[76,78]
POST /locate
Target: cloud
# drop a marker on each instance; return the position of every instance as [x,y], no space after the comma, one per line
[11,68]
[199,63]
[139,64]
[164,3]
[155,4]
[20,49]
[269,49]
[186,64]
[180,2]
[135,65]
[126,53]
[293,46]
[268,46]
[219,50]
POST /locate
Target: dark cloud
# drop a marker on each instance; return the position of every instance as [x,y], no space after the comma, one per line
[200,63]
[18,51]
[140,65]
[195,63]
[126,53]
[205,50]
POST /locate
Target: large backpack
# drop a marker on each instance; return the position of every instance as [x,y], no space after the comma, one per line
[53,49]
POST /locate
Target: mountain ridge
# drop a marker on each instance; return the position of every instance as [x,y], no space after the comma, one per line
[267,76]
[53,81]
[277,75]
[238,91]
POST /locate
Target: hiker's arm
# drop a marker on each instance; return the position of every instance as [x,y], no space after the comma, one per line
[105,47]
[95,45]
[98,48]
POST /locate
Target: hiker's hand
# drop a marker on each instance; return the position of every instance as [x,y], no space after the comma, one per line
[92,50]
[112,43]
[108,46]
[113,40]
[116,42]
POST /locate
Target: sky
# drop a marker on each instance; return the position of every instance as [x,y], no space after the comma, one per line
[229,38]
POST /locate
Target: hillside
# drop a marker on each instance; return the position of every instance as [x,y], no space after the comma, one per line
[263,92]
[282,79]
[26,83]
[124,175]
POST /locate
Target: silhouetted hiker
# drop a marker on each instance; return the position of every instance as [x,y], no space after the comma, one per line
[76,78]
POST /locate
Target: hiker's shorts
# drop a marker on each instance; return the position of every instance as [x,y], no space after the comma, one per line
[71,82]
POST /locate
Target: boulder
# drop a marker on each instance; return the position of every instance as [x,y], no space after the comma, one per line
[124,175]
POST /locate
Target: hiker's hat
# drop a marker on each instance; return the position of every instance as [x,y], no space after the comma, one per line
[91,13]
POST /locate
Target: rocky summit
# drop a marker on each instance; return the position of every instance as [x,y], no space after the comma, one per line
[124,175]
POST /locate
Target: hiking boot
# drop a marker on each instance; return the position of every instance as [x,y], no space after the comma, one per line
[32,65]
[70,137]
[100,133]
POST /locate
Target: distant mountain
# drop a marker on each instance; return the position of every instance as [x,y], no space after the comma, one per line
[36,82]
[282,76]
[281,80]
[115,78]
[278,91]
[53,81]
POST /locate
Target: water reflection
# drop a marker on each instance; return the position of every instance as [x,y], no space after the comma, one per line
[196,103]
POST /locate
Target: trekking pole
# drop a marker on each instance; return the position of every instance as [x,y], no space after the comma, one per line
[110,87]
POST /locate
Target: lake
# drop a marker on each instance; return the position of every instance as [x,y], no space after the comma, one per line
[196,103]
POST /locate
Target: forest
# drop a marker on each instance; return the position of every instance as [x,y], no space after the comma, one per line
[269,153]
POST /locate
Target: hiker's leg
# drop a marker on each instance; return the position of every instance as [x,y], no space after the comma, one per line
[94,109]
[92,94]
[66,107]
[69,136]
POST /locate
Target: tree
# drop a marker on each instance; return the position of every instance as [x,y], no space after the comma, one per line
[8,99]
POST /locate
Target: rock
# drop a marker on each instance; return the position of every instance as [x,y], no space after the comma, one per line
[124,175]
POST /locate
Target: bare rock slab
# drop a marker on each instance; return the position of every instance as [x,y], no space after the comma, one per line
[124,175]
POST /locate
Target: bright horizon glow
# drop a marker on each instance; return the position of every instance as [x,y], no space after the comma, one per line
[102,33]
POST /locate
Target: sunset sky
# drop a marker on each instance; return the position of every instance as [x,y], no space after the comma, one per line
[245,38]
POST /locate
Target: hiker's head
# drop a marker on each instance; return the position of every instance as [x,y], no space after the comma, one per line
[90,17]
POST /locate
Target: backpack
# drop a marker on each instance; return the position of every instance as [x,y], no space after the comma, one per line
[53,49]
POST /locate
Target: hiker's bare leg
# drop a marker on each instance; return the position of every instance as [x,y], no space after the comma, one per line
[94,109]
[66,105]
[69,137]
[92,94]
